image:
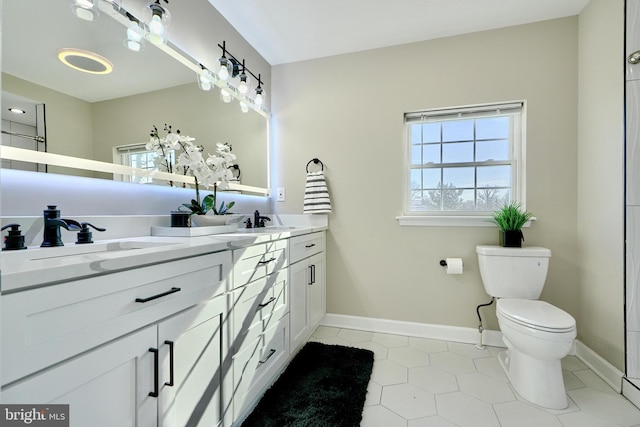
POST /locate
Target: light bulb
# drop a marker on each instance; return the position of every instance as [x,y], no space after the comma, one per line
[157,34]
[158,21]
[243,87]
[223,73]
[259,99]
[244,107]
[205,80]
[86,10]
[225,95]
[135,36]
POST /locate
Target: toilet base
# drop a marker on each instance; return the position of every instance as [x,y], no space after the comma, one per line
[537,381]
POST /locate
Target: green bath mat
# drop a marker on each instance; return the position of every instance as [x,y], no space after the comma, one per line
[323,386]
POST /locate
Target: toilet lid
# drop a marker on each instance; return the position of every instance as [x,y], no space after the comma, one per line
[536,314]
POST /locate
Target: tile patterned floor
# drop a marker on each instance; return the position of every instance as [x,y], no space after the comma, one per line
[420,382]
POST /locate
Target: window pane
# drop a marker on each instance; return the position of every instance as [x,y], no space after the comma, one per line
[494,176]
[492,150]
[415,135]
[416,154]
[458,177]
[431,178]
[431,153]
[416,178]
[457,130]
[492,128]
[457,152]
[491,199]
[431,132]
[452,200]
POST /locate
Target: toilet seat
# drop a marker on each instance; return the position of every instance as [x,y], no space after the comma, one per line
[536,314]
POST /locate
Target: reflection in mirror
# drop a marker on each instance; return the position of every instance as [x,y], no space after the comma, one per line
[90,116]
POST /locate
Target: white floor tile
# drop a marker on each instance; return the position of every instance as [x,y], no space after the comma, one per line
[519,414]
[485,388]
[419,382]
[386,372]
[409,357]
[433,380]
[615,409]
[391,340]
[452,363]
[408,401]
[379,416]
[466,411]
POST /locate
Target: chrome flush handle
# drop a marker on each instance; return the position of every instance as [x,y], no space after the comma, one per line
[634,58]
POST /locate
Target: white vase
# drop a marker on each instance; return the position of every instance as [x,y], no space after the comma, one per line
[209,220]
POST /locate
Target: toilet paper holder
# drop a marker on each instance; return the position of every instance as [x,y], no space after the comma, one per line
[443,262]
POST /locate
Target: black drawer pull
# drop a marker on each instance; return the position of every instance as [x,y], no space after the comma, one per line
[310,246]
[164,294]
[263,305]
[154,393]
[312,271]
[271,353]
[267,261]
[170,382]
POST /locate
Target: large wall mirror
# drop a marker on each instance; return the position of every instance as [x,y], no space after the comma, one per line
[89,116]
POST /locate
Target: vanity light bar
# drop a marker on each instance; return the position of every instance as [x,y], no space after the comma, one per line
[24,155]
[126,18]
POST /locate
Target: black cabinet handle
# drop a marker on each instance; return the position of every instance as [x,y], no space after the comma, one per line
[164,294]
[170,344]
[267,261]
[312,270]
[263,305]
[154,393]
[271,353]
[310,246]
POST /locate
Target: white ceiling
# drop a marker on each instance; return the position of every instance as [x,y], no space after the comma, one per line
[285,31]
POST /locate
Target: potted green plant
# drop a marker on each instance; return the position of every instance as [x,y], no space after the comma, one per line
[510,219]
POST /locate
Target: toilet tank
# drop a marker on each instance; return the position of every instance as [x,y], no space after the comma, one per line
[513,272]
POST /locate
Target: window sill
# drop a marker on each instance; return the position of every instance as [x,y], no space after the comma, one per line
[448,221]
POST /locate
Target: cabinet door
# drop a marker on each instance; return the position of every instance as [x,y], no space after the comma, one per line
[316,295]
[191,351]
[299,323]
[104,388]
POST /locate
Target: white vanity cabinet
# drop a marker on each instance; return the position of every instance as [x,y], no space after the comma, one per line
[141,347]
[307,287]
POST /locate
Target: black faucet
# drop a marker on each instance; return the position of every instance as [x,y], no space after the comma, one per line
[258,221]
[52,223]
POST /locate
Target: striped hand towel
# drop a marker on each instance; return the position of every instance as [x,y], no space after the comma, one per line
[316,194]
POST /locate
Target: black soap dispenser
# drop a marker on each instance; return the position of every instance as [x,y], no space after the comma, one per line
[15,239]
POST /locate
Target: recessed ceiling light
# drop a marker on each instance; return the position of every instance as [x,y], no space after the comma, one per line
[83,60]
[16,110]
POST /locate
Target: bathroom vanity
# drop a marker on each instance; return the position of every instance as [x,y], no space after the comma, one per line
[159,331]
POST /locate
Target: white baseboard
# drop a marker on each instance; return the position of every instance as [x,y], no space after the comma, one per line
[631,392]
[413,329]
[605,370]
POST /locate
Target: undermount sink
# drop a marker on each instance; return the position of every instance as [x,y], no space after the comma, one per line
[33,254]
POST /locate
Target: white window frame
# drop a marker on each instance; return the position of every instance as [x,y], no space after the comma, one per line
[122,156]
[466,218]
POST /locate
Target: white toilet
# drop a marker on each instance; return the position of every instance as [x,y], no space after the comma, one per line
[537,334]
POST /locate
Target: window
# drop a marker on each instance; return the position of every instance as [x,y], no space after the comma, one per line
[464,161]
[137,156]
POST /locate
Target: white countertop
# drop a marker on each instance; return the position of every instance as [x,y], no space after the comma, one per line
[35,266]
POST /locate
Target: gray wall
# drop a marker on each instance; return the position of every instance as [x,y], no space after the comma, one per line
[348,111]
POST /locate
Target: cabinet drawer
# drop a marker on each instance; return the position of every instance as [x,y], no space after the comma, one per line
[47,325]
[301,247]
[258,261]
[255,367]
[258,306]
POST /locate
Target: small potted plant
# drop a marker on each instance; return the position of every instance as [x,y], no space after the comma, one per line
[510,219]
